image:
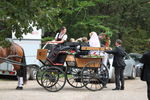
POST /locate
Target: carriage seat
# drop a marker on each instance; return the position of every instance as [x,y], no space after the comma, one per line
[58,54]
[58,59]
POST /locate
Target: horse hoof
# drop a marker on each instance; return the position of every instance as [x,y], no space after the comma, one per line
[19,88]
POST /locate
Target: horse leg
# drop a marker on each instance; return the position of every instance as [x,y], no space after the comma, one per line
[20,83]
[21,73]
[20,79]
[21,70]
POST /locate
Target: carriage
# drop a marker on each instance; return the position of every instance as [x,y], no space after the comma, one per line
[79,71]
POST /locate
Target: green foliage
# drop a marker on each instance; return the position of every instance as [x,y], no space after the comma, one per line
[47,39]
[82,17]
[18,15]
[136,41]
[125,19]
[5,43]
[108,33]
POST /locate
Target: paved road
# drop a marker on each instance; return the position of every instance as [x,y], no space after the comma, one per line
[135,90]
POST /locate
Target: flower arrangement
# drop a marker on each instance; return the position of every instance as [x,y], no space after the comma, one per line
[92,56]
[106,36]
[71,52]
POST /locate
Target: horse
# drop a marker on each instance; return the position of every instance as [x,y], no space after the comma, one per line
[15,53]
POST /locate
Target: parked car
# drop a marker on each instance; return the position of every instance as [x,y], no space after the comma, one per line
[139,69]
[136,57]
[130,69]
[138,65]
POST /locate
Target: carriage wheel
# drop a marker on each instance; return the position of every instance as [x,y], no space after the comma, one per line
[40,73]
[74,77]
[94,78]
[53,79]
[104,74]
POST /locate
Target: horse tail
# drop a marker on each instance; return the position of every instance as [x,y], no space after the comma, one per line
[23,67]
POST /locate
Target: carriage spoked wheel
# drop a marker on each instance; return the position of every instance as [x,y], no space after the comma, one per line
[74,77]
[40,73]
[53,79]
[95,78]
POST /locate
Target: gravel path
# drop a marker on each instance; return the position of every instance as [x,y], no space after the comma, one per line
[134,90]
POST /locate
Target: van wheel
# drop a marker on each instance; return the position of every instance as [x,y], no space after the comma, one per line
[28,73]
[33,72]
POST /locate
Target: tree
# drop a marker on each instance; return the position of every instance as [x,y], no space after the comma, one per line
[131,20]
[18,16]
[127,19]
[82,17]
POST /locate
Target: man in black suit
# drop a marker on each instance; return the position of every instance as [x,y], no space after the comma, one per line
[145,75]
[118,64]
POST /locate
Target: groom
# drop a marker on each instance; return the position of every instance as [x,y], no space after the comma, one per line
[118,64]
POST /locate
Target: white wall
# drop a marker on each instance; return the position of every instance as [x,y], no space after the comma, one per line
[30,48]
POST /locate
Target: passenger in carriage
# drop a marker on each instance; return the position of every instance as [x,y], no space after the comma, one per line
[94,42]
[84,43]
[72,40]
[101,37]
[79,39]
[61,37]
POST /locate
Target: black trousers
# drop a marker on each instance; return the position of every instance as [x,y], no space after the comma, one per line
[119,77]
[148,89]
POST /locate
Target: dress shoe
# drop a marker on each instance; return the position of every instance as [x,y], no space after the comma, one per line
[116,89]
[105,86]
[19,88]
[122,88]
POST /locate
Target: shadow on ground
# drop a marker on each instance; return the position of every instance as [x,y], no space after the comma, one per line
[7,77]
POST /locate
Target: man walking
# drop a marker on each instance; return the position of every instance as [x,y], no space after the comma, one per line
[145,75]
[118,64]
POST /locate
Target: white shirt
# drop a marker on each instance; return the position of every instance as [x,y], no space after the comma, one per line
[63,37]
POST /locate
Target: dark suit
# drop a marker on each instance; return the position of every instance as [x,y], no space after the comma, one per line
[119,65]
[145,75]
